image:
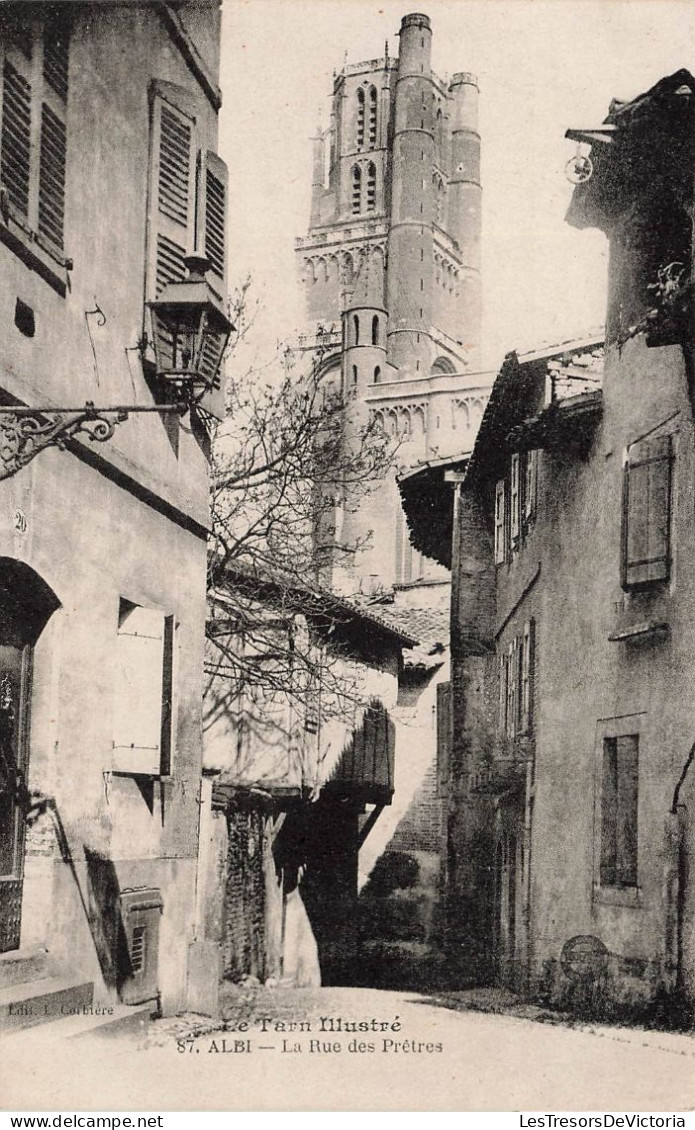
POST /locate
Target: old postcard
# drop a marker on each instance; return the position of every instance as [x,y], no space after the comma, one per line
[347,464]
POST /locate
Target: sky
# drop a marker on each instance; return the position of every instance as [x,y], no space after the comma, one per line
[543,66]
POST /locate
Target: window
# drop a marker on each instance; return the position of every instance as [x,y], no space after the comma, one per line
[354,374]
[360,119]
[34,46]
[515,504]
[371,186]
[618,864]
[377,375]
[356,201]
[646,512]
[356,329]
[143,691]
[516,666]
[372,117]
[375,330]
[187,203]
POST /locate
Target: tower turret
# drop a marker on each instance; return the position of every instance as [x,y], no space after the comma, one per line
[317,177]
[410,245]
[465,198]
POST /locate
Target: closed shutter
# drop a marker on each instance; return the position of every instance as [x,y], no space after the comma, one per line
[502,691]
[500,525]
[52,176]
[646,512]
[15,139]
[142,705]
[444,736]
[171,233]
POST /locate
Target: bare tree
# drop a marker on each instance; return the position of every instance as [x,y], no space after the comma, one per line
[292,452]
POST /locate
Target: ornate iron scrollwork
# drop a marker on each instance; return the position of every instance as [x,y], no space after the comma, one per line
[23,435]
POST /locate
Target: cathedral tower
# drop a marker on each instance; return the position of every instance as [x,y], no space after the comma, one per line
[391,271]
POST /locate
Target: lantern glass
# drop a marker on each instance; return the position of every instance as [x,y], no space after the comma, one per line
[190,331]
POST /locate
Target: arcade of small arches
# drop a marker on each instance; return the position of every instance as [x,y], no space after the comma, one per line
[341,267]
[403,421]
[446,273]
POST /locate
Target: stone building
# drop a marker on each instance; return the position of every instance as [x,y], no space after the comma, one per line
[390,269]
[299,740]
[109,181]
[571,830]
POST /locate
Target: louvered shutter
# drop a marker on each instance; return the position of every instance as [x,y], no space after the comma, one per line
[444,736]
[15,138]
[211,239]
[52,176]
[171,234]
[213,197]
[647,512]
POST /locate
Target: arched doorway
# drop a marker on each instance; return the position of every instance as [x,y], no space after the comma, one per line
[26,603]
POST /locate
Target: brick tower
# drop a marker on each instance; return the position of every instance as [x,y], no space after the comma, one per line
[391,273]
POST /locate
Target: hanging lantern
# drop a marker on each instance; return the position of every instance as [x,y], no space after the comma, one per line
[190,330]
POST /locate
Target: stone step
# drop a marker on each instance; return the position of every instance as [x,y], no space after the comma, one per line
[123,1019]
[35,1002]
[20,966]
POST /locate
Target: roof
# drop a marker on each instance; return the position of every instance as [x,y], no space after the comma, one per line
[312,600]
[518,394]
[623,164]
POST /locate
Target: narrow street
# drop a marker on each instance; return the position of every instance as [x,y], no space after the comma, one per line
[276,1053]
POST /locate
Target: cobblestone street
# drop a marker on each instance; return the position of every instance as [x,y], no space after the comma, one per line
[355,1049]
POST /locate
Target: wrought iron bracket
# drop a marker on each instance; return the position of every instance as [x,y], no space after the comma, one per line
[24,432]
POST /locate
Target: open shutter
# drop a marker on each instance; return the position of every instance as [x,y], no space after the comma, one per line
[502,690]
[171,218]
[646,512]
[211,235]
[527,676]
[515,498]
[500,540]
[15,139]
[142,691]
[530,485]
[52,176]
[444,736]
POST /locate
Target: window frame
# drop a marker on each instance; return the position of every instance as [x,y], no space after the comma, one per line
[24,233]
[131,759]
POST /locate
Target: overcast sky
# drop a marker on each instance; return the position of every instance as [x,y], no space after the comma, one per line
[543,65]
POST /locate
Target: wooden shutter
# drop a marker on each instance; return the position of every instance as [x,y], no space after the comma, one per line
[502,691]
[213,201]
[647,512]
[515,497]
[444,736]
[142,706]
[527,676]
[500,540]
[15,138]
[530,477]
[56,38]
[171,213]
[619,802]
[512,689]
[52,176]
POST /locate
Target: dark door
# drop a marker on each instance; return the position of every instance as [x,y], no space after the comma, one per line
[14,678]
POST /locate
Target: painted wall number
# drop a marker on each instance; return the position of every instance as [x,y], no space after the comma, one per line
[20,521]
